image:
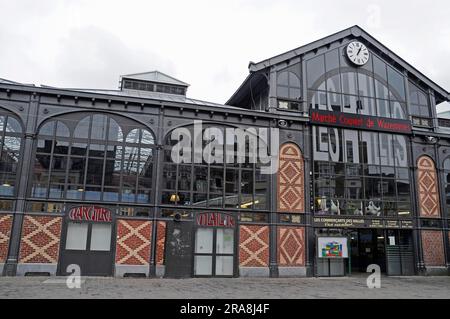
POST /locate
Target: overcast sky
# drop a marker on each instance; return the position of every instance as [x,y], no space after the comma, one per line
[208,44]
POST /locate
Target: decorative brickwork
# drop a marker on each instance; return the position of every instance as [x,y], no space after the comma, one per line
[253,246]
[433,248]
[5,233]
[133,242]
[291,246]
[291,186]
[161,242]
[40,239]
[428,188]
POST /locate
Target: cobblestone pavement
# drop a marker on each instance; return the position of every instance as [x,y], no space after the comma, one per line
[248,288]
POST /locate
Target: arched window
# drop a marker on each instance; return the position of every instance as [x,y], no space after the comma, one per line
[225,184]
[335,84]
[86,157]
[10,143]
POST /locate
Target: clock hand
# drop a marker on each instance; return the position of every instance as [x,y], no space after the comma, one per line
[359,51]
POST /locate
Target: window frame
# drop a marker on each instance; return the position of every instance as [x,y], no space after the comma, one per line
[107,142]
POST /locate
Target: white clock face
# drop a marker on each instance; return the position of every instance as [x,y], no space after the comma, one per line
[357,53]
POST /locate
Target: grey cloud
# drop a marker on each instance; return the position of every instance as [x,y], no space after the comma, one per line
[93,57]
[90,54]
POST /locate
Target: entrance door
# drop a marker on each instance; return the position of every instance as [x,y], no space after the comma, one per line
[88,245]
[399,253]
[367,247]
[214,252]
[179,249]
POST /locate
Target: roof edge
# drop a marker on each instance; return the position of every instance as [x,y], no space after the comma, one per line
[156,71]
[356,31]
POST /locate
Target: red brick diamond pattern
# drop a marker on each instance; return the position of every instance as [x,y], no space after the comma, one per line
[291,180]
[133,242]
[40,239]
[291,246]
[433,248]
[253,246]
[428,189]
[5,232]
[160,242]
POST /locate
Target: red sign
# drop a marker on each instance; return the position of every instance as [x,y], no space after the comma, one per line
[215,220]
[90,213]
[359,121]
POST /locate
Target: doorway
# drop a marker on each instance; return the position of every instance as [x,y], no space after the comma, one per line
[367,247]
[178,258]
[214,252]
[399,253]
[88,245]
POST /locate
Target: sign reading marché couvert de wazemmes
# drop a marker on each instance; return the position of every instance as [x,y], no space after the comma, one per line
[359,121]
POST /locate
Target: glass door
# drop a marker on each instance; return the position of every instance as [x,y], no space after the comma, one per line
[204,238]
[214,252]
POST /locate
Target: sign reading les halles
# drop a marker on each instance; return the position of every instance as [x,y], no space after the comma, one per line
[359,121]
[90,213]
[215,220]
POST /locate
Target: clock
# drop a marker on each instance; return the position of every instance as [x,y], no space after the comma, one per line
[357,53]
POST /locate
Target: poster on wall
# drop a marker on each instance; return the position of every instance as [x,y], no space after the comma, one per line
[332,247]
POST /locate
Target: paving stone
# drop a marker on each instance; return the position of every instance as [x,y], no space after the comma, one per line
[253,288]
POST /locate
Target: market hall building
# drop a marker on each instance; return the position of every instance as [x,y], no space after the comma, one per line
[87,177]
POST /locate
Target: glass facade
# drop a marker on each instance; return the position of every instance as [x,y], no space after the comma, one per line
[419,107]
[446,182]
[289,88]
[214,185]
[93,157]
[376,88]
[10,147]
[366,175]
[360,173]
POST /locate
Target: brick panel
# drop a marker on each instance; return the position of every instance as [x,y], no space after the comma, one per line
[291,185]
[428,188]
[161,242]
[133,242]
[253,246]
[5,233]
[291,246]
[433,248]
[40,239]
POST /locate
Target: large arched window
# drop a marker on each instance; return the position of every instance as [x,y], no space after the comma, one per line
[94,157]
[10,142]
[376,88]
[230,185]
